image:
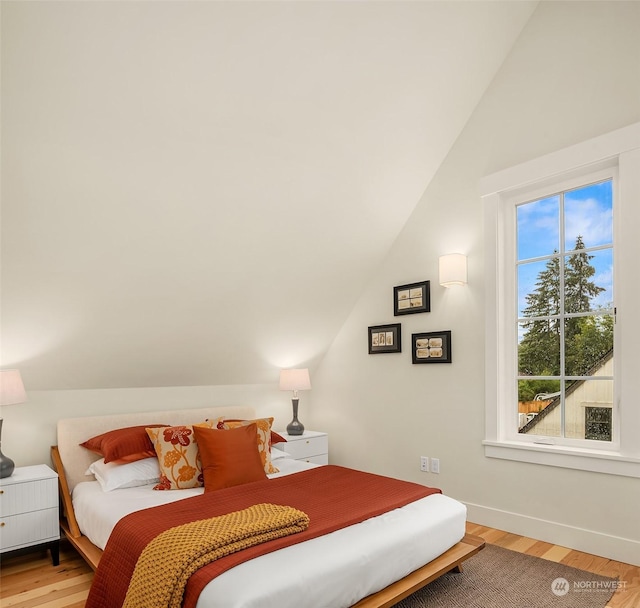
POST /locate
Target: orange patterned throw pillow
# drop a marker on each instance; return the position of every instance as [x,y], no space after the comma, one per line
[178,456]
[264,438]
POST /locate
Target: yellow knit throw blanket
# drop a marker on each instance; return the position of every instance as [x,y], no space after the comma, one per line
[167,562]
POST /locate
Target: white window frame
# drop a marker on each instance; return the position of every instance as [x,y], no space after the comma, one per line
[616,152]
[508,209]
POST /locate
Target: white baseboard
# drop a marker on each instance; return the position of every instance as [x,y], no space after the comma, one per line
[597,543]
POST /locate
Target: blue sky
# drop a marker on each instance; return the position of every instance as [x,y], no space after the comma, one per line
[588,211]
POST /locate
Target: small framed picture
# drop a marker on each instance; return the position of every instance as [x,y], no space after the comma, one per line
[385,339]
[412,298]
[432,347]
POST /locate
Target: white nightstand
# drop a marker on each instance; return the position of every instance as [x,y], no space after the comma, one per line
[311,446]
[29,510]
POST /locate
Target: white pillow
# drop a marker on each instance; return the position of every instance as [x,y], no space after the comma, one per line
[114,476]
[278,453]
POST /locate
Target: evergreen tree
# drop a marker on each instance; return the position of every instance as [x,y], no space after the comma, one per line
[538,353]
[578,288]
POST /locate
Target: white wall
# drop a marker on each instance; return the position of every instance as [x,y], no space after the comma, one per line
[181,179]
[572,75]
[29,429]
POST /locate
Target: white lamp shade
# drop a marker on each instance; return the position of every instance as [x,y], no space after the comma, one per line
[295,380]
[11,387]
[453,269]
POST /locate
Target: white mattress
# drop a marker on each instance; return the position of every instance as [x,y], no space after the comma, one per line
[339,568]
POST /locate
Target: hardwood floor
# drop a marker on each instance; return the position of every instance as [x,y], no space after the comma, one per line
[627,597]
[30,581]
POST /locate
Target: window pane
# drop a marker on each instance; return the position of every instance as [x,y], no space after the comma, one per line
[598,423]
[539,348]
[588,347]
[588,407]
[538,288]
[588,281]
[540,414]
[588,214]
[538,228]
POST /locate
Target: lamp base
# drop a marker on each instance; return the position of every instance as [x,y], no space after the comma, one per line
[295,427]
[6,464]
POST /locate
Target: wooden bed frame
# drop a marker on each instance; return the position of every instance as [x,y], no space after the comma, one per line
[71,461]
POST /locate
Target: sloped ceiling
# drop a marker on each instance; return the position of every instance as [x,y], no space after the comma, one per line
[195,193]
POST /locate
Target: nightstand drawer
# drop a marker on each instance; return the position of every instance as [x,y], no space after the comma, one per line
[28,529]
[29,510]
[320,459]
[305,448]
[25,497]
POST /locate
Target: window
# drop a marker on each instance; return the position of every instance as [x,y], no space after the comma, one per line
[597,423]
[565,312]
[562,386]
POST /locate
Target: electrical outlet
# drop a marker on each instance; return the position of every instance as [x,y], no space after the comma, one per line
[435,465]
[424,463]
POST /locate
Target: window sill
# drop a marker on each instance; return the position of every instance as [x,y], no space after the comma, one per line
[596,461]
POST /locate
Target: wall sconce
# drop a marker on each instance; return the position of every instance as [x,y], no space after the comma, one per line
[453,269]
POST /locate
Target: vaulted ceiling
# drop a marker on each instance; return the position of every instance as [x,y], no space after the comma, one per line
[195,193]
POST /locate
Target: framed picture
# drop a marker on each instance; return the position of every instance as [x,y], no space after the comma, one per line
[412,298]
[385,339]
[432,347]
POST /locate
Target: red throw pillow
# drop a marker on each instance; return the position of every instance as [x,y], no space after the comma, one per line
[230,457]
[123,445]
[275,437]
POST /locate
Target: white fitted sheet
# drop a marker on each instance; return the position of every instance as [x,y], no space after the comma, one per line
[338,569]
[97,512]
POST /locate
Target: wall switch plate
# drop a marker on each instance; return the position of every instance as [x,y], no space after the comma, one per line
[424,463]
[435,465]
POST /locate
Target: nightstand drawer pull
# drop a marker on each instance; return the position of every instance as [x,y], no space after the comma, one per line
[1,524]
[1,491]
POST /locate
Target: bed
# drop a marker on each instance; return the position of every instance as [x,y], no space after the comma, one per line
[375,563]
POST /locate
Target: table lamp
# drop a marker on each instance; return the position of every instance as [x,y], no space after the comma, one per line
[11,391]
[295,380]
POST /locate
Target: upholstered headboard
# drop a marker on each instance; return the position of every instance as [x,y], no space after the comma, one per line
[73,431]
